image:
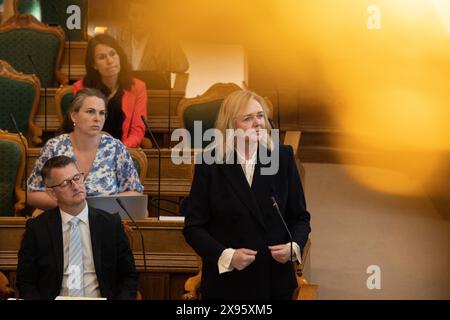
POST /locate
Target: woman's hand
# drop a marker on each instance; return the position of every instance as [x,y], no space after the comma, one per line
[281,252]
[242,258]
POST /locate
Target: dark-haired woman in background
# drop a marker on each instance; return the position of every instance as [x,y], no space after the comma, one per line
[108,70]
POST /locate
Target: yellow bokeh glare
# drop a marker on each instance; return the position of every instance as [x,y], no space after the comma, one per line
[387,87]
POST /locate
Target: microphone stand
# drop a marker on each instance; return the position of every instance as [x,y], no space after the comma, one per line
[275,205]
[13,120]
[138,229]
[147,125]
[278,108]
[68,37]
[69,55]
[170,87]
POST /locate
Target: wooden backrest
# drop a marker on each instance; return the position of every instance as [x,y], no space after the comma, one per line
[5,290]
[19,95]
[205,107]
[12,170]
[140,162]
[63,98]
[33,47]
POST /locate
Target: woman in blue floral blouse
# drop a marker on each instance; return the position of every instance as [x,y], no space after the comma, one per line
[105,162]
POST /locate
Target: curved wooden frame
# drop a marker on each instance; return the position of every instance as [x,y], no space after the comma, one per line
[6,291]
[59,95]
[215,92]
[139,155]
[18,191]
[27,21]
[34,132]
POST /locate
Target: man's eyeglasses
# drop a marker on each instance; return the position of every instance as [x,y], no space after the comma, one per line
[78,178]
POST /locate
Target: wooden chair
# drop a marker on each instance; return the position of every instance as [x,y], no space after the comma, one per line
[12,170]
[6,291]
[32,7]
[205,107]
[33,47]
[63,98]
[140,161]
[19,95]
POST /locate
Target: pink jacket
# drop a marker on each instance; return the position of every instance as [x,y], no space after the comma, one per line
[134,105]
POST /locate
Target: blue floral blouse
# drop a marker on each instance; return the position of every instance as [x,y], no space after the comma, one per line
[112,171]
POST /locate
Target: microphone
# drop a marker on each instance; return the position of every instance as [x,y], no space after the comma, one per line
[170,85]
[278,108]
[67,34]
[271,123]
[13,120]
[45,91]
[138,229]
[275,205]
[159,159]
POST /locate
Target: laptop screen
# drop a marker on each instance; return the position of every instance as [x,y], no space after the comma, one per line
[136,205]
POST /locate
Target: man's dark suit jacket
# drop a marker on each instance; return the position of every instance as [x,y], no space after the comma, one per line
[40,266]
[223,211]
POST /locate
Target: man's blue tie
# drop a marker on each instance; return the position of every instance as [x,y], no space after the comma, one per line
[75,268]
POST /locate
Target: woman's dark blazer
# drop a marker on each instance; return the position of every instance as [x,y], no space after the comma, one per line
[223,211]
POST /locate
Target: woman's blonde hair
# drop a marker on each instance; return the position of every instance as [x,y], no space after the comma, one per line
[231,108]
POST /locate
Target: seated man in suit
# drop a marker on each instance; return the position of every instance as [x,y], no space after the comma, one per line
[74,250]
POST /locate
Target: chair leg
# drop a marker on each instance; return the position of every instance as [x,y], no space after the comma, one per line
[192,285]
[305,290]
[308,292]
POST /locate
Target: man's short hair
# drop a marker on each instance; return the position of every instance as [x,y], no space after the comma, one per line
[55,162]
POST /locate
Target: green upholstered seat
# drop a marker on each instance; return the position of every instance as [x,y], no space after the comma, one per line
[9,169]
[140,161]
[42,47]
[66,101]
[204,107]
[16,97]
[32,47]
[205,112]
[137,166]
[19,95]
[63,99]
[54,12]
[32,7]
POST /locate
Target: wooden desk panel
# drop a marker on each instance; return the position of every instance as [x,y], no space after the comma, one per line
[170,260]
[77,59]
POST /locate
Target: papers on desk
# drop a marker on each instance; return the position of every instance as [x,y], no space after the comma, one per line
[171,218]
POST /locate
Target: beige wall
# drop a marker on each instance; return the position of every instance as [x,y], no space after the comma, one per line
[211,63]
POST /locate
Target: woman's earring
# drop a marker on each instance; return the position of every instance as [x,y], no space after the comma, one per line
[74,124]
